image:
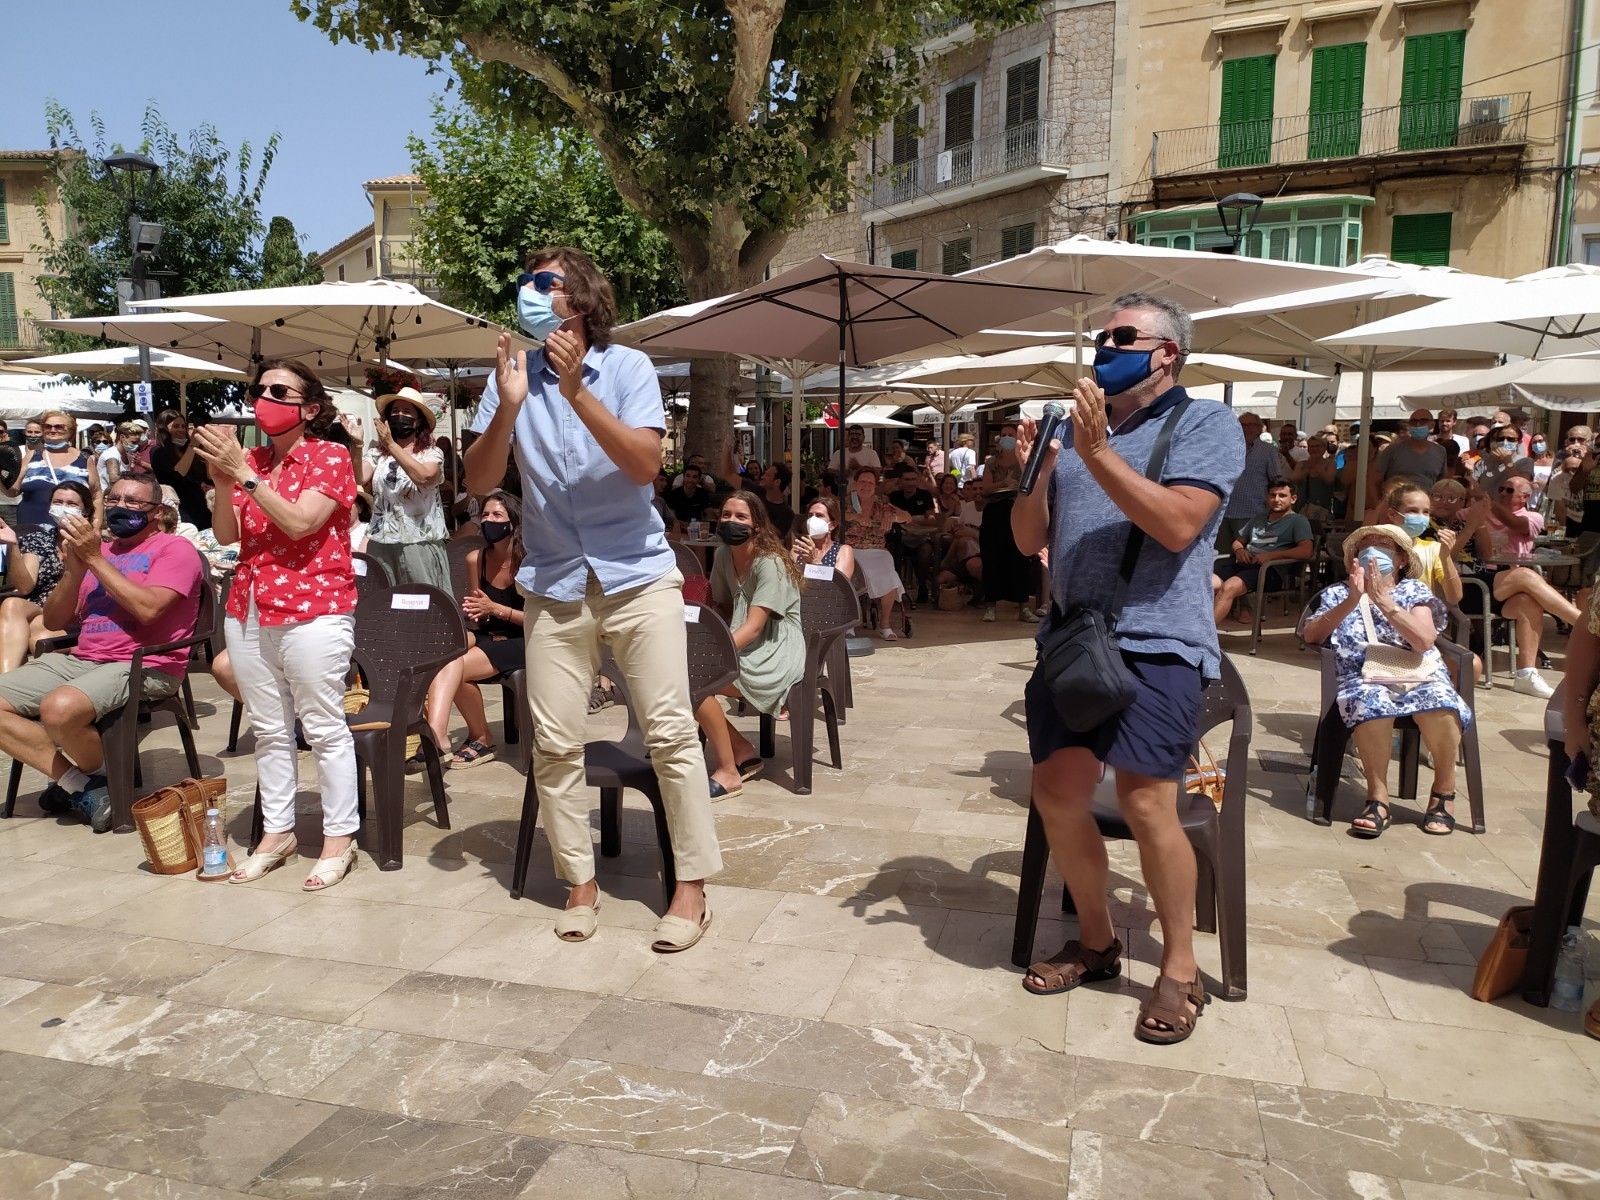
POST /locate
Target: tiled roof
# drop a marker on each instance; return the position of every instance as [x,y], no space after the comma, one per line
[15,154]
[360,235]
[394,180]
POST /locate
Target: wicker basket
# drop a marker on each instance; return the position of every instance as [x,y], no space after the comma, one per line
[171,823]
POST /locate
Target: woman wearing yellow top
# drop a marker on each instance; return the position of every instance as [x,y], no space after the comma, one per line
[1410,507]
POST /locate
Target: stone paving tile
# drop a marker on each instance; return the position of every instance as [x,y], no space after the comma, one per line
[41,1175]
[986,1006]
[78,894]
[360,931]
[42,1092]
[287,986]
[94,958]
[1560,1161]
[1158,1104]
[765,978]
[463,1008]
[597,1174]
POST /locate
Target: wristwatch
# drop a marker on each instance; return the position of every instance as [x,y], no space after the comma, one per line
[251,484]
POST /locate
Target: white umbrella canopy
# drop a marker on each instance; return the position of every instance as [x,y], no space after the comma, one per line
[1547,314]
[226,343]
[868,416]
[1570,384]
[122,363]
[1058,368]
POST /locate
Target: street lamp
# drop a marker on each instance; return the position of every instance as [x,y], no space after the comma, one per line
[143,239]
[1238,212]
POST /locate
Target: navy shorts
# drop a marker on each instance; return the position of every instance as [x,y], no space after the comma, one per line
[1153,736]
[1250,573]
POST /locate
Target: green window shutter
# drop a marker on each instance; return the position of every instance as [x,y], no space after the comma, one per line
[1018,239]
[5,220]
[906,126]
[1245,133]
[1338,78]
[1430,90]
[957,256]
[904,260]
[10,332]
[958,115]
[1022,93]
[1421,238]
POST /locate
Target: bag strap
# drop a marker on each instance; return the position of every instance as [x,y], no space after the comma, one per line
[1152,471]
[1366,616]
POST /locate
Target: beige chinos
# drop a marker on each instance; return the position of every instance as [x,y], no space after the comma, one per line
[644,629]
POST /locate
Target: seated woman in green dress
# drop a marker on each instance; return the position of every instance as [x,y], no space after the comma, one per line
[755,584]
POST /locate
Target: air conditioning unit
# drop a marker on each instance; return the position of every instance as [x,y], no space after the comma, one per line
[1486,120]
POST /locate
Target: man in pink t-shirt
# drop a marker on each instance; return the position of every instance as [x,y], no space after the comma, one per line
[142,588]
[1524,595]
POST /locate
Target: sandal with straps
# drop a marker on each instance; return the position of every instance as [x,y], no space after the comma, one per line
[1380,820]
[472,753]
[1072,965]
[1168,1006]
[1436,815]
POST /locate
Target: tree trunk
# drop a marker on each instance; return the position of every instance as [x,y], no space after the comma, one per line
[714,381]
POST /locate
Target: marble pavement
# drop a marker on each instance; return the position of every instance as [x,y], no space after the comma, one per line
[850,1027]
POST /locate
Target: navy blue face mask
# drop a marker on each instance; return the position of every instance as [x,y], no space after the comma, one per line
[1117,370]
[125,522]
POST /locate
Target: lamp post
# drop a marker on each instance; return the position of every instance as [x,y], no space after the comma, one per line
[1238,212]
[143,238]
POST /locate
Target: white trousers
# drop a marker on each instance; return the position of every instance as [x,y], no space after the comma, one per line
[289,671]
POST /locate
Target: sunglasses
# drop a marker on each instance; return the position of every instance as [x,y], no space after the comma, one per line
[1510,491]
[1125,335]
[278,391]
[543,281]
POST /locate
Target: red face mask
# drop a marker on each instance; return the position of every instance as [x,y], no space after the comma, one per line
[276,417]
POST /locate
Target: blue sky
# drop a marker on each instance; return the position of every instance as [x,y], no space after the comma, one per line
[250,68]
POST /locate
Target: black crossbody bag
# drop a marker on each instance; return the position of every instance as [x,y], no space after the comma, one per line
[1079,662]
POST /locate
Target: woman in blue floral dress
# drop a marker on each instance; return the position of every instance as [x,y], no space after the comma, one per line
[1382,586]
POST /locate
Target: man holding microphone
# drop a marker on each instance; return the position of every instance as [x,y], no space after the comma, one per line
[584,418]
[1093,496]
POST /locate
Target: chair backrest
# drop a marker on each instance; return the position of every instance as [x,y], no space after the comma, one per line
[828,607]
[1224,702]
[371,576]
[689,562]
[713,658]
[404,635]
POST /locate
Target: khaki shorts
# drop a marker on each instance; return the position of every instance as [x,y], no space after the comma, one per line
[106,684]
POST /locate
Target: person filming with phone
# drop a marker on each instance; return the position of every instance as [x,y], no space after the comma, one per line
[1130,496]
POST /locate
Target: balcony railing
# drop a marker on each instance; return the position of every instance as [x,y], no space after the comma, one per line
[1040,143]
[23,335]
[1472,122]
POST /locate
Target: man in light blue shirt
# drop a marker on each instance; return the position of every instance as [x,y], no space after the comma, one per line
[584,418]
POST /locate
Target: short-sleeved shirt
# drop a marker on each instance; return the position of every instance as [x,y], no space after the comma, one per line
[1400,461]
[864,457]
[1262,535]
[580,512]
[1262,464]
[103,465]
[189,485]
[295,580]
[688,507]
[1495,472]
[404,512]
[41,543]
[1509,544]
[1429,566]
[918,504]
[108,633]
[866,534]
[964,462]
[39,483]
[1168,606]
[774,662]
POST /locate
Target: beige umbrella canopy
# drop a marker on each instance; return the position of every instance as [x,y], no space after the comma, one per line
[223,343]
[122,363]
[1058,368]
[1570,384]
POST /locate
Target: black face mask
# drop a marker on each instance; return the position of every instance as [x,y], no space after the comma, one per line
[402,427]
[494,531]
[734,534]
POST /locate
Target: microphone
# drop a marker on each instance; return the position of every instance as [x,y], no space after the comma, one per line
[1054,417]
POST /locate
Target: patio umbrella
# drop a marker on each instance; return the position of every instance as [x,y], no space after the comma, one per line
[121,364]
[1294,325]
[868,416]
[1569,384]
[1548,314]
[827,310]
[1058,368]
[225,343]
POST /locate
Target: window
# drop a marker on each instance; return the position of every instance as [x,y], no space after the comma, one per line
[1591,250]
[957,256]
[1326,231]
[1338,77]
[1430,90]
[1244,135]
[1015,240]
[955,164]
[1022,93]
[1421,238]
[5,223]
[369,258]
[10,330]
[341,272]
[904,260]
[906,126]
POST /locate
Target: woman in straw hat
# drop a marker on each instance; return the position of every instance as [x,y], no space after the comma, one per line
[1382,601]
[403,473]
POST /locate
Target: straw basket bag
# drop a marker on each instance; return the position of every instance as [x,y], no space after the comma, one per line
[171,823]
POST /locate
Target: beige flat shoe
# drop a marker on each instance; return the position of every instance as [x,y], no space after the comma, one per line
[675,934]
[330,871]
[578,923]
[257,865]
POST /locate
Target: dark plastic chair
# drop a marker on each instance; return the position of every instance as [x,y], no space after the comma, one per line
[614,766]
[1332,738]
[1569,852]
[690,564]
[868,607]
[1217,837]
[1293,580]
[398,651]
[828,610]
[514,715]
[120,731]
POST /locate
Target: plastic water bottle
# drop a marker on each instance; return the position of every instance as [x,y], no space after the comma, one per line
[214,849]
[694,530]
[1567,995]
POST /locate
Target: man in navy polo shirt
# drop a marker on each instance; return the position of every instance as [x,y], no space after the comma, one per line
[1097,492]
[584,417]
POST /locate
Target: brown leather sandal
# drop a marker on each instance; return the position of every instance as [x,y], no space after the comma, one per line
[1073,964]
[1168,1005]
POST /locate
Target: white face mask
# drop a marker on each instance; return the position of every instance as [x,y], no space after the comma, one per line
[60,511]
[817,527]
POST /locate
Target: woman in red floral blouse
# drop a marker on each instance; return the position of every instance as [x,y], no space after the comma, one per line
[291,622]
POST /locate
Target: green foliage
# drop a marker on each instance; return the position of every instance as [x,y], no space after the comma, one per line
[495,193]
[283,262]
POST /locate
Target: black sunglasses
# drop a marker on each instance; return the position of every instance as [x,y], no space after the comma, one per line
[1125,335]
[1508,491]
[278,391]
[543,281]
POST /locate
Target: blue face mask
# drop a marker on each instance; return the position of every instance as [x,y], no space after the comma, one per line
[1419,432]
[1416,524]
[125,522]
[1118,370]
[1380,559]
[536,313]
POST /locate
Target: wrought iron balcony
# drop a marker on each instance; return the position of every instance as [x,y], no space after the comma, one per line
[1030,146]
[1472,123]
[25,335]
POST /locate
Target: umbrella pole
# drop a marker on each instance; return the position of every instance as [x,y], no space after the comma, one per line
[183,398]
[797,407]
[842,468]
[1365,445]
[455,438]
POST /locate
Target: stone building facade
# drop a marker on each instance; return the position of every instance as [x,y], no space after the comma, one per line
[26,177]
